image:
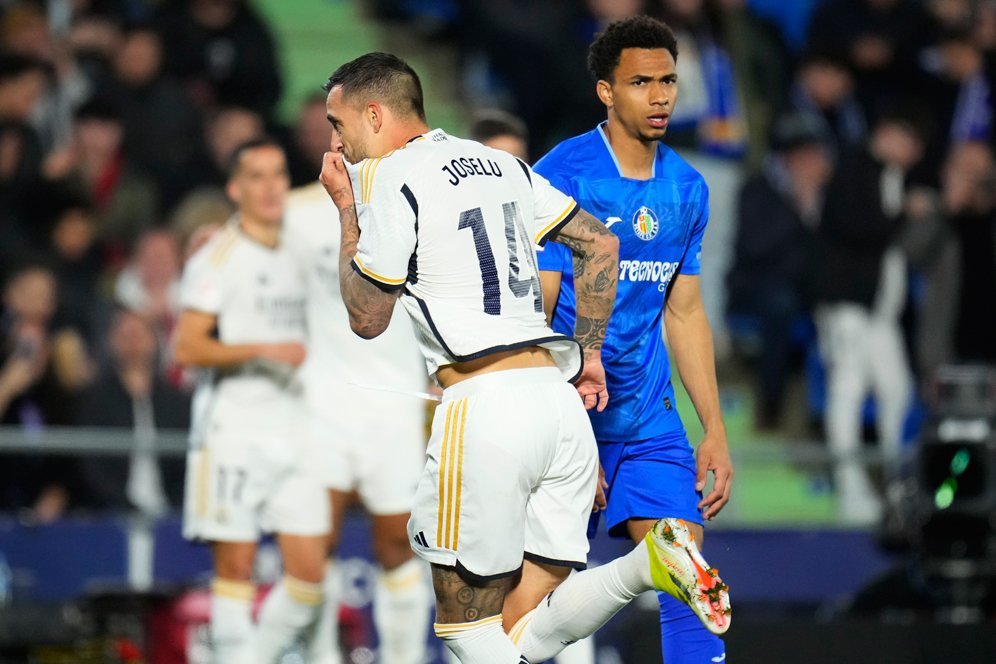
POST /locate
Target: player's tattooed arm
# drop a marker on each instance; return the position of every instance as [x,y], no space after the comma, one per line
[458,601]
[369,307]
[596,271]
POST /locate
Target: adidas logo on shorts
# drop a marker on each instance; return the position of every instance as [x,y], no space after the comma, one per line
[420,539]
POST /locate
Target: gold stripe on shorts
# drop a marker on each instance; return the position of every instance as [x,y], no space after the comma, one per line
[443,449]
[459,475]
[203,480]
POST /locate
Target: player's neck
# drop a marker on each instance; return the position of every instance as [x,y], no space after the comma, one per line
[400,134]
[634,155]
[264,232]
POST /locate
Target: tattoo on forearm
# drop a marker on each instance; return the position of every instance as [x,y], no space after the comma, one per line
[369,307]
[458,601]
[590,332]
[595,277]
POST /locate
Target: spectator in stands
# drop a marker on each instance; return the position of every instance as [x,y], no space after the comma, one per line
[160,126]
[66,235]
[711,117]
[124,200]
[878,39]
[862,295]
[952,241]
[762,69]
[960,98]
[547,78]
[204,207]
[41,372]
[502,131]
[823,84]
[309,142]
[131,394]
[224,129]
[223,52]
[150,285]
[778,214]
[22,82]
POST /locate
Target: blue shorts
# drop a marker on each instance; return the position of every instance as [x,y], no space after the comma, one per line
[648,479]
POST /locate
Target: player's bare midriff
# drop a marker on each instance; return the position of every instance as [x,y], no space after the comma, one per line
[522,358]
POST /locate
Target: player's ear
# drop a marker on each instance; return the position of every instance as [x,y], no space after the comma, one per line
[375,116]
[233,191]
[604,91]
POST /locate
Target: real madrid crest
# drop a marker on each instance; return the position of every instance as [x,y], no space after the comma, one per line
[645,223]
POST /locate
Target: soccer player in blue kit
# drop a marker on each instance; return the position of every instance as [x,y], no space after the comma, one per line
[658,207]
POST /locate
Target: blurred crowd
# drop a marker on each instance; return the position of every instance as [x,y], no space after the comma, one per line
[117,119]
[865,226]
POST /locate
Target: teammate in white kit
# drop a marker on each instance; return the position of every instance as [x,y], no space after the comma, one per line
[369,425]
[502,506]
[249,467]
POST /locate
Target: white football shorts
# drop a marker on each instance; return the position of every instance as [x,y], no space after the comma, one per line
[373,443]
[511,471]
[244,481]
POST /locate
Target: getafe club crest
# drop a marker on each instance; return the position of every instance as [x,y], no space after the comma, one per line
[645,223]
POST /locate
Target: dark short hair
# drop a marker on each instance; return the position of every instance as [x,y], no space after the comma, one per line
[235,160]
[14,65]
[487,124]
[97,108]
[384,77]
[634,32]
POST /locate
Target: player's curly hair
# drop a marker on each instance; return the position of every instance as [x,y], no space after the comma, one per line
[634,32]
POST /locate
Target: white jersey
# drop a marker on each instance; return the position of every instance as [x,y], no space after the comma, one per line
[257,294]
[455,224]
[338,360]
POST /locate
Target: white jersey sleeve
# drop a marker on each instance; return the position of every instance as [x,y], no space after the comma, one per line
[552,209]
[202,287]
[387,218]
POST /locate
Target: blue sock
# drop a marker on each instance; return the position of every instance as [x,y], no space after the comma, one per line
[684,639]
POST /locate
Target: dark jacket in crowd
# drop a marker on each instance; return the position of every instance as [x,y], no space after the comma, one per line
[854,232]
[107,404]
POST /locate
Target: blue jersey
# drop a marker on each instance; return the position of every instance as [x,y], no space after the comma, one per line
[660,223]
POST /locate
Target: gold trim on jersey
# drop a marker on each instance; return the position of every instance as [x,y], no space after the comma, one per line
[229,237]
[451,476]
[202,482]
[379,277]
[560,217]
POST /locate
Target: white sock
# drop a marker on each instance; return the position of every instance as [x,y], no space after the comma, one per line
[480,642]
[323,642]
[231,620]
[288,611]
[581,652]
[401,605]
[581,604]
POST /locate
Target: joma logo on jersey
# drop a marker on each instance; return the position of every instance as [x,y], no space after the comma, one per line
[645,223]
[659,271]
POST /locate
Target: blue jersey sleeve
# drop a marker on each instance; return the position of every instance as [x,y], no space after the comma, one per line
[554,257]
[691,262]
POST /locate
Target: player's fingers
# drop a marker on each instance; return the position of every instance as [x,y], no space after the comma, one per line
[603,399]
[590,400]
[701,474]
[721,490]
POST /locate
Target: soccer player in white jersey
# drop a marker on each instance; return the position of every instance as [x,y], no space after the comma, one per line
[369,424]
[501,510]
[249,469]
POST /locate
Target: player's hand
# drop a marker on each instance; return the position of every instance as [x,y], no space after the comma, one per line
[335,179]
[713,456]
[600,500]
[291,353]
[591,383]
